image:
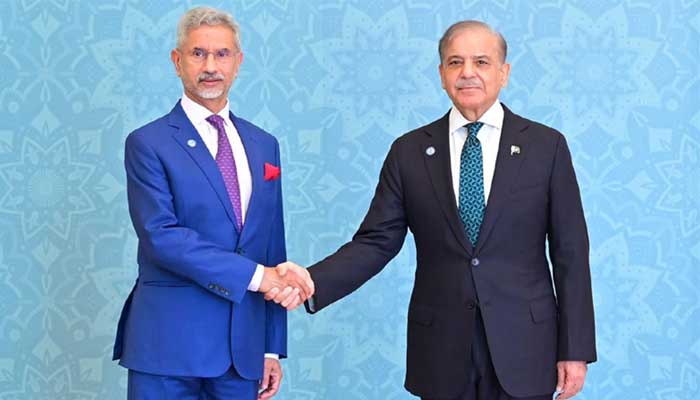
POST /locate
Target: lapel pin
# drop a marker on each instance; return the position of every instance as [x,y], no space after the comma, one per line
[192,143]
[514,150]
[430,151]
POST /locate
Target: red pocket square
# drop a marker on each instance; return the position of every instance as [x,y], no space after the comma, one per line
[271,172]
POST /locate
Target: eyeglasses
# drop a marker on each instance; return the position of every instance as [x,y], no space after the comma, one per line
[200,56]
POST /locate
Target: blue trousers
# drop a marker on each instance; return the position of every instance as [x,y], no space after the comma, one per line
[229,386]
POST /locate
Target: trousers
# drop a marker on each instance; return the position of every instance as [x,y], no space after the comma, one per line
[482,383]
[229,386]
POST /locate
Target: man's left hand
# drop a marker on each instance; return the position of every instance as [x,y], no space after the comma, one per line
[571,375]
[272,377]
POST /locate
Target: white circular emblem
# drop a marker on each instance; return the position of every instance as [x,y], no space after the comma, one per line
[430,151]
[191,142]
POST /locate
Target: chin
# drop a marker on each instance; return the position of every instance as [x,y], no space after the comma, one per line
[210,94]
[472,105]
[470,99]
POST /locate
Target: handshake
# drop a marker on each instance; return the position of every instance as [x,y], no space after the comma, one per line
[287,284]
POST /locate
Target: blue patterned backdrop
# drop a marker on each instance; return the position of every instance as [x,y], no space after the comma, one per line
[336,82]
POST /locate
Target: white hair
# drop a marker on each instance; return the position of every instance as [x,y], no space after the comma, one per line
[209,16]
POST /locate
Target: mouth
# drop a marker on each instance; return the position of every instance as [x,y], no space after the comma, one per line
[469,89]
[210,82]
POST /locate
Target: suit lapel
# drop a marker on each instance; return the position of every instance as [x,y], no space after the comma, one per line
[506,172]
[255,165]
[440,172]
[186,135]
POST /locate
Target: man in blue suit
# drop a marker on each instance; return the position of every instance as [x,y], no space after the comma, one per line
[205,199]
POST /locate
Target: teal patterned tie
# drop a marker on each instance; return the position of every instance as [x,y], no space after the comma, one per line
[471,183]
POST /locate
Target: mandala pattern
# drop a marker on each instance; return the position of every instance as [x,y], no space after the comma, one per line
[606,78]
[682,193]
[336,83]
[46,187]
[377,73]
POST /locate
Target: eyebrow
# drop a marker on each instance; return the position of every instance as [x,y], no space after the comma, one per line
[476,57]
[203,49]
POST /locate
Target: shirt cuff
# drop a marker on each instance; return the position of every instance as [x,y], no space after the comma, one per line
[255,282]
[310,302]
[272,355]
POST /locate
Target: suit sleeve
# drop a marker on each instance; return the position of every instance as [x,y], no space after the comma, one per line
[170,246]
[376,242]
[568,250]
[276,315]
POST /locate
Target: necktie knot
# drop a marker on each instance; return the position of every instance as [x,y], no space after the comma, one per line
[473,129]
[217,122]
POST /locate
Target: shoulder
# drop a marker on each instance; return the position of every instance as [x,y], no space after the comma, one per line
[151,132]
[417,135]
[536,131]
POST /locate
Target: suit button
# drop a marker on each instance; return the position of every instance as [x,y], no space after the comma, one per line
[471,305]
[475,262]
[240,251]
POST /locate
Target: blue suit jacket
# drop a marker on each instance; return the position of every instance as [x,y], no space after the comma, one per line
[190,313]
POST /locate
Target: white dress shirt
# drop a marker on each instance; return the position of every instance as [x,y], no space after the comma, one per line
[489,136]
[198,114]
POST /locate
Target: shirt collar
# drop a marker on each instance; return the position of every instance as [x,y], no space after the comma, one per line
[492,117]
[198,114]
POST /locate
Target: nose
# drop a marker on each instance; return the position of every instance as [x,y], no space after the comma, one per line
[210,63]
[468,70]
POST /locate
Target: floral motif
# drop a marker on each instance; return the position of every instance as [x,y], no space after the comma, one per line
[47,187]
[376,72]
[595,71]
[682,193]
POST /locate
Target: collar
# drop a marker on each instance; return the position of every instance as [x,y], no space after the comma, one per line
[198,114]
[492,117]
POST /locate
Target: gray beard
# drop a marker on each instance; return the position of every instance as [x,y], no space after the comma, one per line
[209,93]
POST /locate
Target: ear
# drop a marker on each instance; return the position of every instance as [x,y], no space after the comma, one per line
[239,59]
[442,75]
[505,73]
[176,59]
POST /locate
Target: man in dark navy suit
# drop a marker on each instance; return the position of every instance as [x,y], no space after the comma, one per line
[483,191]
[205,199]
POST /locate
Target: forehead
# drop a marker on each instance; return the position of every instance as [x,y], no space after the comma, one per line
[205,36]
[473,42]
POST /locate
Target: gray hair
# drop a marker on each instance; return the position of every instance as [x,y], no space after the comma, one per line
[471,24]
[199,16]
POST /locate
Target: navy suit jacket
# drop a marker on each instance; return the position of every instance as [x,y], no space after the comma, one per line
[534,200]
[190,313]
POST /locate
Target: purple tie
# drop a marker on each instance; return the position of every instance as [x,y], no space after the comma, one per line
[224,159]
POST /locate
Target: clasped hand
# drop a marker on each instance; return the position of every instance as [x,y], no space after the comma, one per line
[287,284]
